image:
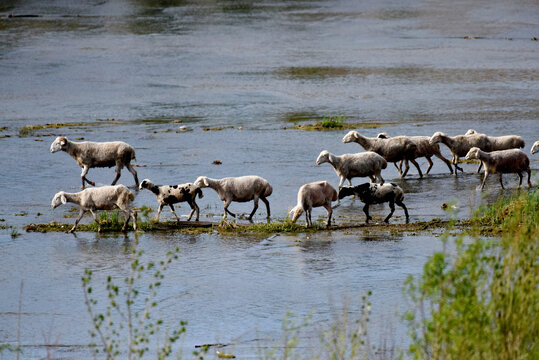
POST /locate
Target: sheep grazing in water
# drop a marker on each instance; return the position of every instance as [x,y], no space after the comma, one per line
[172,194]
[98,154]
[535,148]
[370,193]
[314,194]
[348,166]
[424,149]
[100,198]
[392,149]
[460,144]
[239,189]
[502,162]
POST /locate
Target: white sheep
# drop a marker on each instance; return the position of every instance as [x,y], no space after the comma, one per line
[460,144]
[535,148]
[100,198]
[424,149]
[496,143]
[392,149]
[370,193]
[172,194]
[239,189]
[98,154]
[502,162]
[314,194]
[348,166]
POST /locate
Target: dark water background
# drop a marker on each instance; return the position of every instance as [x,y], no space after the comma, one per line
[253,67]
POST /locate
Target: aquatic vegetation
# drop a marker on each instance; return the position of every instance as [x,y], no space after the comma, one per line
[29,129]
[129,325]
[482,302]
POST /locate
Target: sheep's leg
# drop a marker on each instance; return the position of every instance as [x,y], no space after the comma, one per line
[484,180]
[373,178]
[400,166]
[379,176]
[392,207]
[85,169]
[227,203]
[401,204]
[173,212]
[267,207]
[119,167]
[96,221]
[159,212]
[479,167]
[447,162]
[134,220]
[330,212]
[366,211]
[127,215]
[406,168]
[194,207]
[519,179]
[254,209]
[430,164]
[417,167]
[455,162]
[134,172]
[309,220]
[529,175]
[81,213]
[501,182]
[397,167]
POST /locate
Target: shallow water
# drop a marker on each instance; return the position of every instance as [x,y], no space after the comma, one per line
[257,67]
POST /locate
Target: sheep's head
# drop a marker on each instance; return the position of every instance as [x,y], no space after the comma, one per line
[350,137]
[323,157]
[471,132]
[58,144]
[535,148]
[145,184]
[383,136]
[436,138]
[201,182]
[58,200]
[473,153]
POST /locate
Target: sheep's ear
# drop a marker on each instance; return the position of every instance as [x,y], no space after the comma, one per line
[206,183]
[63,199]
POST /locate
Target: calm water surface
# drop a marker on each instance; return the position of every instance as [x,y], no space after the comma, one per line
[252,68]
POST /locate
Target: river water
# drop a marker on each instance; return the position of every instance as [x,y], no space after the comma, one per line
[138,70]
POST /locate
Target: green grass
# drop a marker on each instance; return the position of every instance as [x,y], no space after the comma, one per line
[482,303]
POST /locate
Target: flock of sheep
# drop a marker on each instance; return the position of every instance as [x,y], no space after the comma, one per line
[497,154]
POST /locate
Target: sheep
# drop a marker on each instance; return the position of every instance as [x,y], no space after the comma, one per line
[348,166]
[502,162]
[370,193]
[496,143]
[314,194]
[392,149]
[535,148]
[98,154]
[100,198]
[460,144]
[239,189]
[172,194]
[424,149]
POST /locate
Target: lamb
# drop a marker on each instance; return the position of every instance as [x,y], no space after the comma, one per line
[460,144]
[424,149]
[377,194]
[172,194]
[98,154]
[100,198]
[502,162]
[314,194]
[535,148]
[392,149]
[348,166]
[239,189]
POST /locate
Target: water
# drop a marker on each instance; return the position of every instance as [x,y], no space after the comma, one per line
[256,67]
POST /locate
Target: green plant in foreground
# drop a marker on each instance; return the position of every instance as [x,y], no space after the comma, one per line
[123,328]
[483,302]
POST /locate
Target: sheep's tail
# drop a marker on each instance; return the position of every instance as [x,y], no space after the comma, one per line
[269,190]
[199,192]
[296,212]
